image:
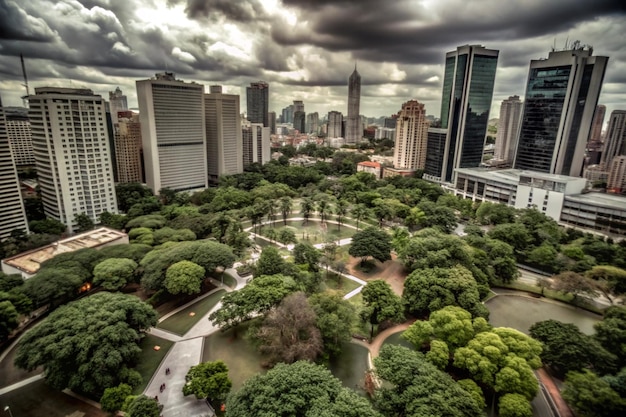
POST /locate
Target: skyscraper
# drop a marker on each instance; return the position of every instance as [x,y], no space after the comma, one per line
[616,182]
[128,147]
[508,129]
[354,131]
[173,132]
[615,140]
[12,214]
[411,136]
[469,75]
[272,121]
[287,114]
[257,102]
[335,119]
[117,102]
[312,122]
[561,98]
[256,144]
[299,116]
[72,154]
[598,122]
[20,135]
[223,134]
[435,147]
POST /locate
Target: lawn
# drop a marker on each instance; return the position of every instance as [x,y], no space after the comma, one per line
[344,285]
[181,322]
[242,359]
[150,358]
[312,232]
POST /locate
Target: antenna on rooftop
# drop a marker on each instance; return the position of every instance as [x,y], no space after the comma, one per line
[25,80]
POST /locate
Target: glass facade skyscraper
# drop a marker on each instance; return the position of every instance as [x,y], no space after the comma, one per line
[469,75]
[561,98]
[257,103]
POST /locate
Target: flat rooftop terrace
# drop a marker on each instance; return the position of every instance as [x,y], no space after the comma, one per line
[31,261]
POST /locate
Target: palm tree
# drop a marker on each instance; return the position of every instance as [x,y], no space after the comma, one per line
[285,208]
[271,213]
[306,206]
[322,209]
[271,234]
[341,210]
[360,212]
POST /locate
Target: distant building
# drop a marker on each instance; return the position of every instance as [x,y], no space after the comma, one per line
[223,134]
[435,148]
[72,154]
[595,173]
[370,167]
[20,135]
[598,122]
[411,136]
[272,121]
[508,129]
[390,122]
[117,102]
[335,120]
[615,140]
[354,127]
[312,122]
[257,101]
[27,264]
[616,182]
[560,102]
[394,172]
[469,77]
[256,144]
[385,133]
[173,132]
[287,114]
[299,121]
[12,214]
[128,148]
[604,213]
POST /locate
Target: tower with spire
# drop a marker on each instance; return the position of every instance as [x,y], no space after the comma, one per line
[354,130]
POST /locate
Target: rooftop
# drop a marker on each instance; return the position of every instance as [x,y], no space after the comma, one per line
[31,261]
[369,164]
[612,201]
[512,176]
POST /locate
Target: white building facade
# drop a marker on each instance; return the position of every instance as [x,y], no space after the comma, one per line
[411,136]
[508,129]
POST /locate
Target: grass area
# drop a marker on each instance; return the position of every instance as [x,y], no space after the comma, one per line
[242,359]
[313,232]
[338,283]
[181,322]
[150,359]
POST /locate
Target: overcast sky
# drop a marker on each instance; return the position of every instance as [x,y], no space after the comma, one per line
[305,49]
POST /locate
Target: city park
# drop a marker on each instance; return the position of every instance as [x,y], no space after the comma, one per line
[352,257]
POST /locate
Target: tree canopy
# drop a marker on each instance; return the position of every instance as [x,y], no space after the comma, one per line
[381,304]
[114,273]
[208,380]
[371,242]
[89,344]
[184,277]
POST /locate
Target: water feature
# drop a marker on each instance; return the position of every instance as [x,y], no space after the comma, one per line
[350,366]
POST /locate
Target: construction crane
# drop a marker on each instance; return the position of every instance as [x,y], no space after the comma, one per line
[24,98]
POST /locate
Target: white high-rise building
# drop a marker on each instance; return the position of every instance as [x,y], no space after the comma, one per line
[20,135]
[256,144]
[616,182]
[173,133]
[117,102]
[224,145]
[354,127]
[335,120]
[411,136]
[508,129]
[72,153]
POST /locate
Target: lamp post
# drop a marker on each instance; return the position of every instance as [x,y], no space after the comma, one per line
[8,409]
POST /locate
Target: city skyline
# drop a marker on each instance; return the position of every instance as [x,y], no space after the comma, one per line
[305,50]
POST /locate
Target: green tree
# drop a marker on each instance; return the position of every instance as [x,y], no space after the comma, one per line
[114,221]
[289,332]
[575,284]
[437,216]
[114,273]
[544,256]
[514,234]
[591,396]
[47,226]
[341,211]
[208,380]
[129,194]
[371,242]
[306,254]
[514,405]
[418,388]
[299,389]
[113,398]
[54,286]
[306,209]
[360,213]
[150,221]
[611,280]
[75,346]
[270,262]
[257,298]
[429,248]
[335,317]
[611,332]
[381,304]
[494,213]
[285,208]
[142,406]
[184,277]
[286,236]
[84,222]
[8,319]
[415,218]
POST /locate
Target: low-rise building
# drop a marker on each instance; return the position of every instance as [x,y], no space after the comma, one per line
[393,172]
[370,167]
[605,213]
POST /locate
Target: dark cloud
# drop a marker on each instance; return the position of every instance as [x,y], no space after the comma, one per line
[238,10]
[16,24]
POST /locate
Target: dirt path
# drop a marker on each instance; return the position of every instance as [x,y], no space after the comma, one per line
[553,391]
[391,271]
[375,345]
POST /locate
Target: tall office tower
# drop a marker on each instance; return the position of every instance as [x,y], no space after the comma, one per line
[335,120]
[411,136]
[72,154]
[469,75]
[508,128]
[561,98]
[128,147]
[312,122]
[117,102]
[299,121]
[354,129]
[223,134]
[20,135]
[616,183]
[287,113]
[257,101]
[12,214]
[435,147]
[272,121]
[256,144]
[615,139]
[598,122]
[173,133]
